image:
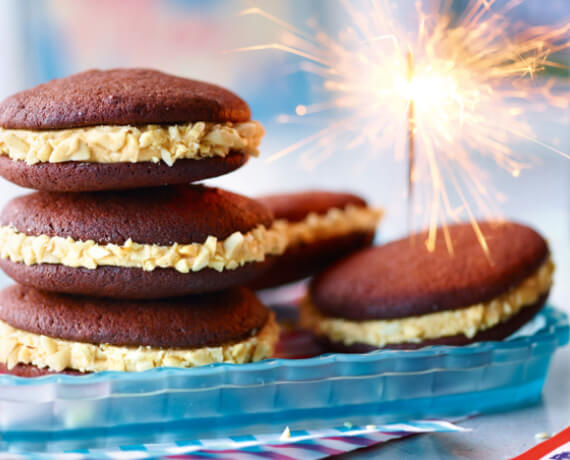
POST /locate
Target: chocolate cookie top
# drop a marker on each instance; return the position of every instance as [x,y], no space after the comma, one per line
[120,97]
[184,322]
[294,207]
[179,214]
[400,279]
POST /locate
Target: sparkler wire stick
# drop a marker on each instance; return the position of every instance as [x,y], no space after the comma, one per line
[411,146]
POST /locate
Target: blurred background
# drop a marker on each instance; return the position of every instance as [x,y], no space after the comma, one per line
[42,40]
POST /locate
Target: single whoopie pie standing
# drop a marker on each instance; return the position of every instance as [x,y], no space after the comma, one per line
[138,244]
[403,296]
[42,333]
[321,227]
[123,128]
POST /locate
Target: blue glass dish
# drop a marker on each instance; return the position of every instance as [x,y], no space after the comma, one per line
[163,405]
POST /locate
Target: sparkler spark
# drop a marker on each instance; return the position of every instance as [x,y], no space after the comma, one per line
[458,87]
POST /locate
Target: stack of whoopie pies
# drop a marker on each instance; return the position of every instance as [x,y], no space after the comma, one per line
[122,264]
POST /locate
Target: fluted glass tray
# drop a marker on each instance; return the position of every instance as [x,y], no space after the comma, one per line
[160,405]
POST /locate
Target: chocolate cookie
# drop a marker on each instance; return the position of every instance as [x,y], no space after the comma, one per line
[29,370]
[74,176]
[322,227]
[123,128]
[146,243]
[402,294]
[120,97]
[62,332]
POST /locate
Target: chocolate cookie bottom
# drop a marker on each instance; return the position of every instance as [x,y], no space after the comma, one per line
[304,260]
[130,283]
[86,176]
[29,370]
[498,332]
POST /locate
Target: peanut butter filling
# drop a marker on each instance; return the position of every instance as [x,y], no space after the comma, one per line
[229,254]
[336,222]
[17,346]
[131,144]
[468,321]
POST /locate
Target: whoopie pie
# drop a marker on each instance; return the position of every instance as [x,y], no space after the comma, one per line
[146,243]
[123,128]
[42,332]
[402,295]
[321,227]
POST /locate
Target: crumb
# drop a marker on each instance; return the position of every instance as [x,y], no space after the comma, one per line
[370,427]
[541,436]
[348,425]
[286,434]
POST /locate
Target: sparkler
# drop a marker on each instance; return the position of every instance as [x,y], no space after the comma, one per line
[411,146]
[459,91]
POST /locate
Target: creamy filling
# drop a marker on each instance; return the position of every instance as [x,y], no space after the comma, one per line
[131,144]
[336,222]
[229,254]
[21,347]
[468,321]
